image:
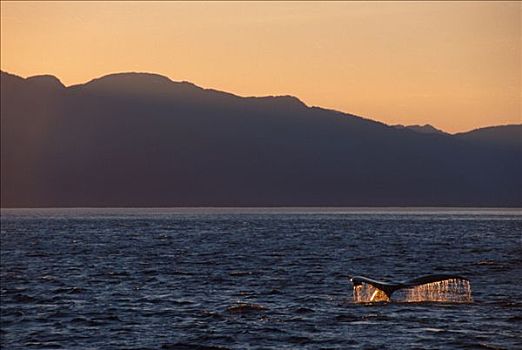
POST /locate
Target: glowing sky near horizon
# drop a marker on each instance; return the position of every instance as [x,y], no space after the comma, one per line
[455,65]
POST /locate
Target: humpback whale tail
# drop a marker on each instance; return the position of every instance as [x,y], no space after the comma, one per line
[439,288]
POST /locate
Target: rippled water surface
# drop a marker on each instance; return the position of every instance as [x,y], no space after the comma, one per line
[253,278]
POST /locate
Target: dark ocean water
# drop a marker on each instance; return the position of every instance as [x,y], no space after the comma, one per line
[253,279]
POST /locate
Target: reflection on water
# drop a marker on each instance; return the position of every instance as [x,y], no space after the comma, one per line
[453,290]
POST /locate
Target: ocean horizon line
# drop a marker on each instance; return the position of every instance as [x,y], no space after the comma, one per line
[274,210]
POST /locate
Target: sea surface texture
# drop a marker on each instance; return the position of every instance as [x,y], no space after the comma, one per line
[254,278]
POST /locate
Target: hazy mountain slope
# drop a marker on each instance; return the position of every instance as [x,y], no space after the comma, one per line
[143,140]
[503,135]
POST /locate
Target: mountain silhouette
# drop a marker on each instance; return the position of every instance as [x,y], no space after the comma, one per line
[143,140]
[425,129]
[509,136]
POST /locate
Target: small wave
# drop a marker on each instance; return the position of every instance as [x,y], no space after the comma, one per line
[299,340]
[304,310]
[481,346]
[242,308]
[107,318]
[347,318]
[211,314]
[487,262]
[37,255]
[43,345]
[70,290]
[244,293]
[515,319]
[16,290]
[274,291]
[58,314]
[85,321]
[187,346]
[48,278]
[240,273]
[23,298]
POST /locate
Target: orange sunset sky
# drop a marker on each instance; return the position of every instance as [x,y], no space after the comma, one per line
[455,65]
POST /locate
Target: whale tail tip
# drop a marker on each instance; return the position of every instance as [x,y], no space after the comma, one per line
[429,288]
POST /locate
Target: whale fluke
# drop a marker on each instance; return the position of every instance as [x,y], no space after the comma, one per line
[435,287]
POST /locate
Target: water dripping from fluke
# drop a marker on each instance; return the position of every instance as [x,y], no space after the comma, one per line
[443,288]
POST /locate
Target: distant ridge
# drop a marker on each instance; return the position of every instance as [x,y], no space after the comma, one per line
[505,135]
[425,129]
[143,140]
